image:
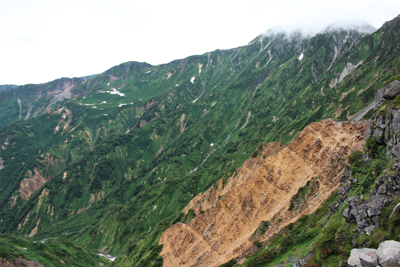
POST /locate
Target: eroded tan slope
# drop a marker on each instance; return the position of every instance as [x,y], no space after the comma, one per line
[262,188]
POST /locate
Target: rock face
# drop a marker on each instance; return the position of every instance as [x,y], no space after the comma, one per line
[385,127]
[366,214]
[363,257]
[391,90]
[385,123]
[229,213]
[387,255]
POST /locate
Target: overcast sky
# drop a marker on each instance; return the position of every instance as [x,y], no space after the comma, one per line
[43,40]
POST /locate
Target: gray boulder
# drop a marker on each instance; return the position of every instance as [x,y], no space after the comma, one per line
[391,90]
[396,150]
[365,257]
[379,95]
[388,253]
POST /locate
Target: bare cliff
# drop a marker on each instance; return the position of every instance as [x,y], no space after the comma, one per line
[230,212]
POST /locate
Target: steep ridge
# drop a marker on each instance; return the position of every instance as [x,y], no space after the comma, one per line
[117,157]
[262,189]
[31,100]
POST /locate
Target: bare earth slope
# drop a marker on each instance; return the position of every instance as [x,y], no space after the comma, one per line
[228,215]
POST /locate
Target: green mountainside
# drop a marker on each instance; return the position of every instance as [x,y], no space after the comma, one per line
[26,101]
[110,162]
[7,86]
[59,252]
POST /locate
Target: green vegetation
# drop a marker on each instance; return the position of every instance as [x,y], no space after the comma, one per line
[122,158]
[293,240]
[58,252]
[396,77]
[300,197]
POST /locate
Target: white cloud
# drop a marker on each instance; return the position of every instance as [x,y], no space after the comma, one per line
[43,40]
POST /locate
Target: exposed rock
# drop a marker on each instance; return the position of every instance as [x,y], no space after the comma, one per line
[382,189]
[379,95]
[365,214]
[348,69]
[303,261]
[365,257]
[369,229]
[391,90]
[263,188]
[396,150]
[31,184]
[388,253]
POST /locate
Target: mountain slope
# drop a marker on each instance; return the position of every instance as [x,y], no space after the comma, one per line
[115,164]
[25,101]
[263,189]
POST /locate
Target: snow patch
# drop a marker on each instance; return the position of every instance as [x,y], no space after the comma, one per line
[105,114]
[148,71]
[192,80]
[301,56]
[115,92]
[104,102]
[212,144]
[213,104]
[109,257]
[90,104]
[176,84]
[120,105]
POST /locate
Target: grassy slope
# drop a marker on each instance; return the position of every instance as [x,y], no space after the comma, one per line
[144,175]
[50,253]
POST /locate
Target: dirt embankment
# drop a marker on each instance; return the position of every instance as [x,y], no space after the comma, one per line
[228,214]
[29,185]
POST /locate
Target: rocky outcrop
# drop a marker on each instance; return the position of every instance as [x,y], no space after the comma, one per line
[229,214]
[366,213]
[387,255]
[384,127]
[19,263]
[363,257]
[385,123]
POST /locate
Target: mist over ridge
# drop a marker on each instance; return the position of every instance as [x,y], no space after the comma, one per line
[310,30]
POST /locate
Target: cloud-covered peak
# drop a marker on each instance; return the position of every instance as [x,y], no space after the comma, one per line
[359,26]
[311,30]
